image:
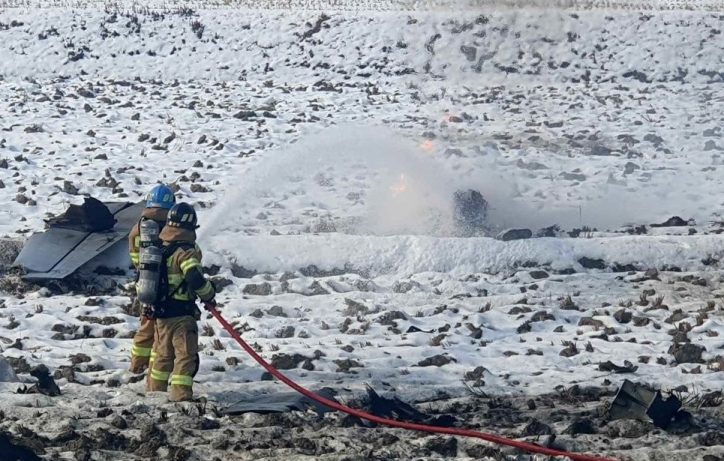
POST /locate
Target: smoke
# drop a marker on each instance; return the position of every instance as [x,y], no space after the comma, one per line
[372,180]
[412,194]
[401,191]
[601,206]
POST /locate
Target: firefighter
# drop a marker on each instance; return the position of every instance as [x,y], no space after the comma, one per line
[176,345]
[158,202]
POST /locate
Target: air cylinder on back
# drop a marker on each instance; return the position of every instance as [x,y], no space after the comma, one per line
[148,232]
[149,266]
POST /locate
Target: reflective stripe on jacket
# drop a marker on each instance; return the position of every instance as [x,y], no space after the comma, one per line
[186,280]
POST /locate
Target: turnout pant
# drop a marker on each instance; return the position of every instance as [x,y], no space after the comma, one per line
[176,357]
[142,349]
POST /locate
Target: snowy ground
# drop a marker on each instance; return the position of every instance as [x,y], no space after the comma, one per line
[323,151]
[374,5]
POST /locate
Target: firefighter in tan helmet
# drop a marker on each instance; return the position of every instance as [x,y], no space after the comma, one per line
[176,343]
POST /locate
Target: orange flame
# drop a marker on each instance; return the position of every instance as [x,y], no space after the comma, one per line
[427,145]
[400,187]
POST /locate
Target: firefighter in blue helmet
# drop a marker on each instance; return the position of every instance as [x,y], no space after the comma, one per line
[158,203]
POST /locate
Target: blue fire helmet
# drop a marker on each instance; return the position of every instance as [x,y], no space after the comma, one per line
[161,196]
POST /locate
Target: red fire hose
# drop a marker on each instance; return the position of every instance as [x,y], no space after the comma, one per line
[529,447]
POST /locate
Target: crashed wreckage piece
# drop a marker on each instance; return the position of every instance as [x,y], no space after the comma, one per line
[395,408]
[470,212]
[634,401]
[76,237]
[9,450]
[283,402]
[7,374]
[279,402]
[45,385]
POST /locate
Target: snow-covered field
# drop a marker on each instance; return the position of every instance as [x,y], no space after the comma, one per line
[395,6]
[322,148]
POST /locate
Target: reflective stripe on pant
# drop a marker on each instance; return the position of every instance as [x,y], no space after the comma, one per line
[161,376]
[138,351]
[142,349]
[177,358]
[182,380]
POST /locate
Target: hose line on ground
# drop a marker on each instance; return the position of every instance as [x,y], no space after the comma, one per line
[496,439]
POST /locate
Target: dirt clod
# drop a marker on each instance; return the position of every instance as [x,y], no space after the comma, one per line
[687,353]
[444,446]
[535,427]
[119,422]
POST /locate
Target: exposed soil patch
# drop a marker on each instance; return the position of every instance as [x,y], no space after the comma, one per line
[569,419]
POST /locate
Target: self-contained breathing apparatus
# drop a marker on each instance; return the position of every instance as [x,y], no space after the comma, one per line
[152,287]
[150,268]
